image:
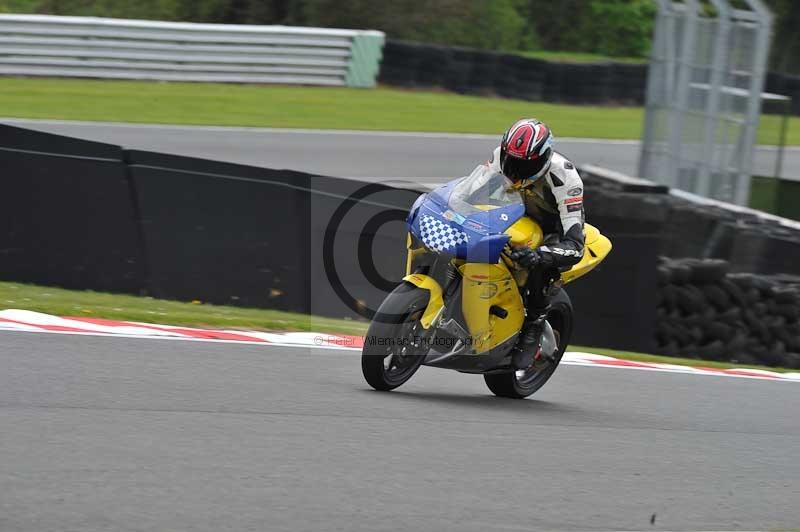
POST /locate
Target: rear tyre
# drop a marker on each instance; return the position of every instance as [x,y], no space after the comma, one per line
[394,347]
[523,383]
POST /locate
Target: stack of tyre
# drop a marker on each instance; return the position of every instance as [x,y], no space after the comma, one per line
[705,311]
[473,71]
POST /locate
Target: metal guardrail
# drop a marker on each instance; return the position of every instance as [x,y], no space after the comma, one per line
[44,45]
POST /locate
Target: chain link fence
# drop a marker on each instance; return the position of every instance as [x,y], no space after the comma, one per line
[705,80]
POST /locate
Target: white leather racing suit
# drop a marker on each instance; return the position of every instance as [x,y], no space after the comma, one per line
[555,201]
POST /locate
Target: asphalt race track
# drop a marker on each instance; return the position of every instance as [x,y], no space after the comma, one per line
[417,157]
[102,434]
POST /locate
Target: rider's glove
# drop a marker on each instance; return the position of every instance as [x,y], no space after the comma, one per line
[526,257]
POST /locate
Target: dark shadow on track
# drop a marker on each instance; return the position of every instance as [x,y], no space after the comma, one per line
[481,402]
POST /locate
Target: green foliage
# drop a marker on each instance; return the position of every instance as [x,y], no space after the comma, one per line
[561,25]
[487,24]
[625,26]
[149,9]
[785,57]
[606,27]
[224,11]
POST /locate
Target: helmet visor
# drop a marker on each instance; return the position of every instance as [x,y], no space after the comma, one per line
[521,169]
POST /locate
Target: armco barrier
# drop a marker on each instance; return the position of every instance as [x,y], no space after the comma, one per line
[43,45]
[66,214]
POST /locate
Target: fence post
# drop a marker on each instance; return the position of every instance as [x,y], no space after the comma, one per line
[365,58]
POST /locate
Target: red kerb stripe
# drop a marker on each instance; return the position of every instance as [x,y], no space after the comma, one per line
[194,333]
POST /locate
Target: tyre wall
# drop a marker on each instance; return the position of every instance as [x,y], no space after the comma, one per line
[735,298]
[705,311]
[468,71]
[471,71]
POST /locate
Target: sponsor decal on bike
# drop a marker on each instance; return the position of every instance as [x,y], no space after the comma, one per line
[474,226]
[577,191]
[488,291]
[570,201]
[453,216]
[575,208]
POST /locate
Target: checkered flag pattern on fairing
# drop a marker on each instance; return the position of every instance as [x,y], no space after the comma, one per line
[439,236]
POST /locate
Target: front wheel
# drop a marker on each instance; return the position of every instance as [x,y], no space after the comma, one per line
[394,347]
[523,383]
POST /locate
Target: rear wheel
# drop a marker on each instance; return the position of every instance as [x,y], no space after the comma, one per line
[523,383]
[394,347]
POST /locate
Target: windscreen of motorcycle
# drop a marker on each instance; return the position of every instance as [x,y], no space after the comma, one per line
[483,190]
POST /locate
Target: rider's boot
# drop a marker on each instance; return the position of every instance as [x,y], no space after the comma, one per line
[527,348]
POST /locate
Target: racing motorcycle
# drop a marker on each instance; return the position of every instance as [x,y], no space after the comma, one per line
[460,305]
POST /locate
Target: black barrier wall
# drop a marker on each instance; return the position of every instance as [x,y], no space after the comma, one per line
[240,235]
[472,71]
[91,216]
[88,215]
[617,301]
[357,244]
[222,233]
[66,214]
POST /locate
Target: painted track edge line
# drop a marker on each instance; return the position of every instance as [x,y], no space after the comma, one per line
[330,347]
[36,322]
[355,350]
[354,132]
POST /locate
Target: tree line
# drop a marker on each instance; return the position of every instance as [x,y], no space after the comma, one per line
[607,27]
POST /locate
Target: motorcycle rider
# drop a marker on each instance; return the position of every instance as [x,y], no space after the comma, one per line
[553,195]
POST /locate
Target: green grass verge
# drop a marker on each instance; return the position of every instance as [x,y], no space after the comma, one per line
[60,302]
[314,107]
[643,357]
[580,57]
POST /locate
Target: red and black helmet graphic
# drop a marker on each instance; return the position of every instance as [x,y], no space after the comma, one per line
[526,149]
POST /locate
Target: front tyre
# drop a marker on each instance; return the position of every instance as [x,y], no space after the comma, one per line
[394,347]
[523,383]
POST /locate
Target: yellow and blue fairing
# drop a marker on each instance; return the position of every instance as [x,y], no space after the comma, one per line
[472,219]
[468,217]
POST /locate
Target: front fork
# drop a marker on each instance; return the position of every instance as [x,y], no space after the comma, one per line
[437,295]
[435,301]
